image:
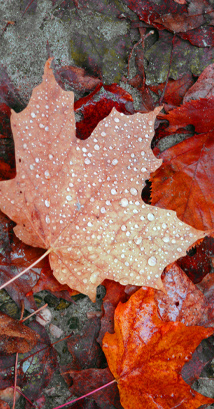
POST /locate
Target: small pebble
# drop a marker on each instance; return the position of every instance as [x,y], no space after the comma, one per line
[44,317]
[55,331]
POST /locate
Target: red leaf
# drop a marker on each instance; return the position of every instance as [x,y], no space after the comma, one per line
[175,90]
[188,167]
[97,105]
[146,356]
[77,78]
[203,87]
[104,399]
[85,350]
[115,292]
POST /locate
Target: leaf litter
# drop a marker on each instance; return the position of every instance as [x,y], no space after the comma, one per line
[81,200]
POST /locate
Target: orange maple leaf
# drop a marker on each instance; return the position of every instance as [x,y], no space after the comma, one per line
[81,200]
[146,354]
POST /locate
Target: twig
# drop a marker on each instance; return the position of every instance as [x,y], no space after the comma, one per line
[33,313]
[27,269]
[16,361]
[84,396]
[21,393]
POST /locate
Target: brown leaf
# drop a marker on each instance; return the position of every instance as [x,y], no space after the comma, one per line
[15,337]
[82,199]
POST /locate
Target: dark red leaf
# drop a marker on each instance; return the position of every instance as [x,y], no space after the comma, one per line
[86,381]
[76,78]
[85,350]
[98,105]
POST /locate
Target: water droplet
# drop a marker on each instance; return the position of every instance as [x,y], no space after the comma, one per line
[103,210]
[47,174]
[179,249]
[124,202]
[50,156]
[47,219]
[93,278]
[31,167]
[133,191]
[47,203]
[123,227]
[33,115]
[24,146]
[114,162]
[41,126]
[103,134]
[165,239]
[116,120]
[46,128]
[137,240]
[143,170]
[96,147]
[150,217]
[152,261]
[37,160]
[68,198]
[87,161]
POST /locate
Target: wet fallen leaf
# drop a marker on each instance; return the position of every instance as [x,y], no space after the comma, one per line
[81,200]
[146,355]
[203,87]
[85,350]
[36,367]
[188,167]
[107,398]
[15,336]
[182,300]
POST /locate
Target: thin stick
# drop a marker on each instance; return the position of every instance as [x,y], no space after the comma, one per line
[16,362]
[15,380]
[48,346]
[21,393]
[33,313]
[27,269]
[84,396]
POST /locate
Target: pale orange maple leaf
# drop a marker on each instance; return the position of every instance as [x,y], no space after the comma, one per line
[82,199]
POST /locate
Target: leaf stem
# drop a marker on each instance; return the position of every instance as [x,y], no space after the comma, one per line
[35,312]
[84,396]
[27,269]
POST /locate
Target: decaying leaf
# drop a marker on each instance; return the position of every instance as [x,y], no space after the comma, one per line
[146,355]
[15,337]
[82,199]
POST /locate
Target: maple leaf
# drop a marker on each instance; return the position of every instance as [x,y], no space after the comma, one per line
[188,167]
[81,200]
[146,355]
